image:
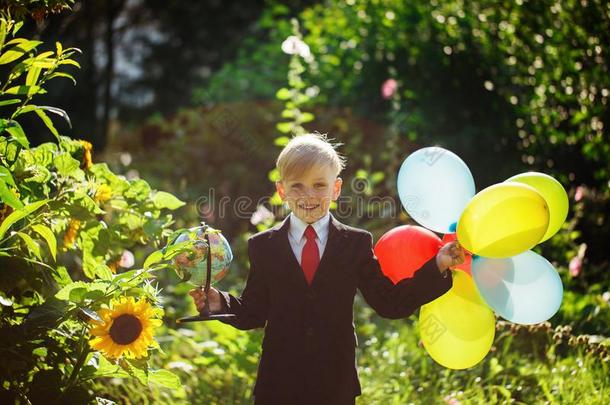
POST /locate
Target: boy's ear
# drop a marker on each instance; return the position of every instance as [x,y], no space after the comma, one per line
[280,189]
[337,188]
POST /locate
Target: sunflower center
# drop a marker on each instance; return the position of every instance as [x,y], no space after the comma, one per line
[125,329]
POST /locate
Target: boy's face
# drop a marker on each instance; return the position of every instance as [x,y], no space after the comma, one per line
[309,195]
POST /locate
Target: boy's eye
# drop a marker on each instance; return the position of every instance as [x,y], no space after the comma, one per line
[297,185]
[320,185]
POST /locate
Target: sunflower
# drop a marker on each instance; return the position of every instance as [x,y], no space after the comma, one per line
[126,328]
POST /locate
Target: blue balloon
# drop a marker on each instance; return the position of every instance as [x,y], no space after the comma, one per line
[523,289]
[434,186]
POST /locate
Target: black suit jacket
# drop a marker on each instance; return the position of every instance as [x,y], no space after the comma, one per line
[309,343]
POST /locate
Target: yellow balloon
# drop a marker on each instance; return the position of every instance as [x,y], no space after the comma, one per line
[458,328]
[553,193]
[503,220]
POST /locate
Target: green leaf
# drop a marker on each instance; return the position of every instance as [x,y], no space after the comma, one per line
[39,174]
[276,199]
[2,32]
[19,214]
[137,368]
[17,27]
[25,109]
[47,121]
[274,175]
[166,200]
[18,51]
[7,196]
[66,165]
[14,128]
[40,351]
[76,294]
[25,90]
[45,316]
[18,69]
[281,141]
[306,117]
[138,190]
[283,94]
[103,272]
[62,276]
[288,113]
[33,74]
[62,74]
[164,378]
[31,244]
[9,101]
[153,258]
[65,292]
[107,369]
[16,41]
[62,113]
[69,62]
[6,176]
[48,236]
[44,63]
[377,177]
[284,127]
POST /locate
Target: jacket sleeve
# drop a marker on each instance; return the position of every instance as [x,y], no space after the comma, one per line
[400,300]
[251,307]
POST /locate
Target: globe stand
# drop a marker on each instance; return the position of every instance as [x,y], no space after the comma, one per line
[205,314]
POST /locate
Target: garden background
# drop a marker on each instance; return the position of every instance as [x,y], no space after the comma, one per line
[124,121]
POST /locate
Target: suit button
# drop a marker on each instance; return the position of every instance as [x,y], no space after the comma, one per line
[309,332]
[311,295]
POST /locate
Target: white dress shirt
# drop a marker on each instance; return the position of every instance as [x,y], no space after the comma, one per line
[296,234]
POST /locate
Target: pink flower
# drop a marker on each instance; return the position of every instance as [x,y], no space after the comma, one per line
[575,266]
[261,215]
[388,88]
[579,194]
[294,45]
[127,259]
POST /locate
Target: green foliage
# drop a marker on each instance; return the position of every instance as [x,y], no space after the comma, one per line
[522,83]
[216,364]
[36,9]
[495,82]
[65,223]
[524,366]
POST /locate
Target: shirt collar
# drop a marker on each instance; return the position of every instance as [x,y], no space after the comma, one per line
[298,226]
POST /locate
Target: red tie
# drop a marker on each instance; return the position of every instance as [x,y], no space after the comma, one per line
[310,257]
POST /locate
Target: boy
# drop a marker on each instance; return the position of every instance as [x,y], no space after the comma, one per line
[303,278]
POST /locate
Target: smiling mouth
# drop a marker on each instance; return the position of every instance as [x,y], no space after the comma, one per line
[309,207]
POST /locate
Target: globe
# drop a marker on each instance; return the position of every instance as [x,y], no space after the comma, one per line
[191,266]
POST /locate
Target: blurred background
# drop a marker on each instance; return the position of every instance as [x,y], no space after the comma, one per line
[198,97]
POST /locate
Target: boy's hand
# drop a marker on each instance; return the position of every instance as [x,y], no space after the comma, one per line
[450,255]
[213,298]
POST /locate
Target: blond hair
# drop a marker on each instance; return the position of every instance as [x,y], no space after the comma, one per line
[306,151]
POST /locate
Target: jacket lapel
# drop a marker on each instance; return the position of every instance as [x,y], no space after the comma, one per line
[286,258]
[336,237]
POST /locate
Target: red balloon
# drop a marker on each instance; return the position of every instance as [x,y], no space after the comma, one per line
[403,250]
[467,265]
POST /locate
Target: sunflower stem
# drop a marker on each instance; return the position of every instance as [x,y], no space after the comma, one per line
[83,351]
